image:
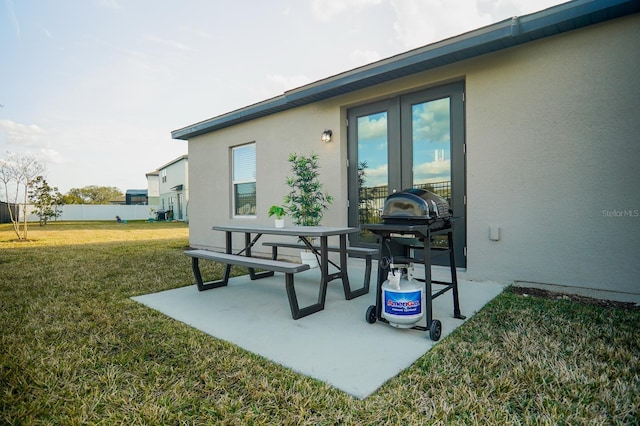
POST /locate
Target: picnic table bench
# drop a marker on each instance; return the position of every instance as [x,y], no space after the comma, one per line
[270,266]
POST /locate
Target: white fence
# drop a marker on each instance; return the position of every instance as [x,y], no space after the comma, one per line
[99,212]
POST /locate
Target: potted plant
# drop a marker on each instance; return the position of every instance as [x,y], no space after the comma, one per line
[305,202]
[279,212]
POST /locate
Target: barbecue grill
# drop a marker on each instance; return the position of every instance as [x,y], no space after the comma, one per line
[417,206]
[410,219]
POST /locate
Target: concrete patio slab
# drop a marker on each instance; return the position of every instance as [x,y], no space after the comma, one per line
[336,345]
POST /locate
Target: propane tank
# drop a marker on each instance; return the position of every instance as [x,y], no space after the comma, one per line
[402,297]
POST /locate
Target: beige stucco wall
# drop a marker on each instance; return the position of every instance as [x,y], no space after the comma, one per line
[552,154]
[552,150]
[275,137]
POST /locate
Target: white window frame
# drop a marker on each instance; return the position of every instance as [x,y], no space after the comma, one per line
[244,177]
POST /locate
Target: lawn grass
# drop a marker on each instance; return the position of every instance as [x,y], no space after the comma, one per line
[75,349]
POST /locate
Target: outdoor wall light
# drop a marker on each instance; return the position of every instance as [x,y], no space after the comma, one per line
[326,135]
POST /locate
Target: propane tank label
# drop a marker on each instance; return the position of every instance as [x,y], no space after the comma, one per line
[406,303]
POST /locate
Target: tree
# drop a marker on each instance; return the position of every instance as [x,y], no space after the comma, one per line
[17,175]
[72,199]
[46,200]
[93,195]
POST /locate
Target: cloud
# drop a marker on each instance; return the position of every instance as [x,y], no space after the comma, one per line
[431,121]
[197,32]
[377,176]
[27,140]
[432,171]
[503,9]
[282,82]
[109,4]
[21,134]
[362,57]
[12,16]
[374,127]
[324,10]
[421,22]
[168,43]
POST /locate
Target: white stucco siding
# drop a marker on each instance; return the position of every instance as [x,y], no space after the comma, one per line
[175,174]
[552,153]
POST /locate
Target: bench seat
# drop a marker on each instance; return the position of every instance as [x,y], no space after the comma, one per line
[249,262]
[269,265]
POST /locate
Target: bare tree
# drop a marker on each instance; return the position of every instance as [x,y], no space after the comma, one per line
[17,175]
[7,177]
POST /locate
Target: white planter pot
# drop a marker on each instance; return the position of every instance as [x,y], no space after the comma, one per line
[309,258]
[279,223]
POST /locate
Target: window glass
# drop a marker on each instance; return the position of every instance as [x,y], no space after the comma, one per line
[244,180]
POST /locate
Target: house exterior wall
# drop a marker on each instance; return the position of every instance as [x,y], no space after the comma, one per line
[171,175]
[551,141]
[153,188]
[275,137]
[552,155]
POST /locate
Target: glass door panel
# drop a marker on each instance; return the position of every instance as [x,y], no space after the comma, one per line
[373,169]
[431,149]
[433,136]
[414,140]
[371,151]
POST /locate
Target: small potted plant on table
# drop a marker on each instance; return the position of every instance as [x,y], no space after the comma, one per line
[279,212]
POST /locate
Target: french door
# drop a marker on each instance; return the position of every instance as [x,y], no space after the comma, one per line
[409,141]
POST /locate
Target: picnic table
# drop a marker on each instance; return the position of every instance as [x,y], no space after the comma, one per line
[303,234]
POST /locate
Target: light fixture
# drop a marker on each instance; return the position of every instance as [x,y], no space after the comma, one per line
[326,135]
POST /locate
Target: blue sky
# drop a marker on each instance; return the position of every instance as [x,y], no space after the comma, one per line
[93,88]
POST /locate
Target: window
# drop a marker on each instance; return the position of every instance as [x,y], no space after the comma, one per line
[244,180]
[163,175]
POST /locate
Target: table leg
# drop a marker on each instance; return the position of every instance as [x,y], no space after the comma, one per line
[253,275]
[324,270]
[348,293]
[195,266]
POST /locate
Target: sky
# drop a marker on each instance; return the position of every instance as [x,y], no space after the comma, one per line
[93,88]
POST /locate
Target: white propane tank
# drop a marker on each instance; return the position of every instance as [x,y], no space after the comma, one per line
[402,299]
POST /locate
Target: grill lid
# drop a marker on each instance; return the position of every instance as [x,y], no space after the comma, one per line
[415,206]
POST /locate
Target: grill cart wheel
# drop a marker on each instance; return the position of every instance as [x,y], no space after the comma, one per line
[435,331]
[371,314]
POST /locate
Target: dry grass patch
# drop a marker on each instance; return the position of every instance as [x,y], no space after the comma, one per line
[74,349]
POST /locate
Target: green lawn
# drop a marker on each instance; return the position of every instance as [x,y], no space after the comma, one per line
[75,349]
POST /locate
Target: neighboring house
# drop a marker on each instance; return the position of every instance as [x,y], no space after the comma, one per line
[173,188]
[136,197]
[528,126]
[119,201]
[153,188]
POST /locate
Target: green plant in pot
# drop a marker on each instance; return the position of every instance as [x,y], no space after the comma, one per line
[279,212]
[305,202]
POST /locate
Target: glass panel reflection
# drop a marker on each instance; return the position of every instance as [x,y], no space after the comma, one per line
[373,170]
